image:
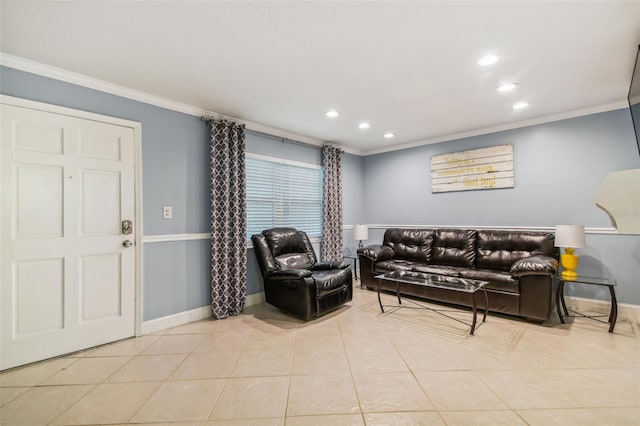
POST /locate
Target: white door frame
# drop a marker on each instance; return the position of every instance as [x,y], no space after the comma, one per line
[137,147]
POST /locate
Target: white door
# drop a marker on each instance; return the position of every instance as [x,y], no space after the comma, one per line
[68,282]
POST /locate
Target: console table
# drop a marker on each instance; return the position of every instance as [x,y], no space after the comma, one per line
[599,281]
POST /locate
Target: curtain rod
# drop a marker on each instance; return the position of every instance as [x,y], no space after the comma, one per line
[258,132]
[282,139]
[221,117]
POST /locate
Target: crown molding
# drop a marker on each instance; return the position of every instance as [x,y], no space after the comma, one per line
[49,71]
[60,74]
[510,126]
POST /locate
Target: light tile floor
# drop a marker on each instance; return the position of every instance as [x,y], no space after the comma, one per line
[355,366]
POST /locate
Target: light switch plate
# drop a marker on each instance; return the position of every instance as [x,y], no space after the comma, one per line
[167,212]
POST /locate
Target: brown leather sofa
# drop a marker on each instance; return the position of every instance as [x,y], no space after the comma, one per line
[519,266]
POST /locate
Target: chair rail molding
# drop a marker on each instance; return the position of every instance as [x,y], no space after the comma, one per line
[587,230]
[146,239]
[150,239]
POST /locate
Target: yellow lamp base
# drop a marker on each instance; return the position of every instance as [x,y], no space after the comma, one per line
[569,263]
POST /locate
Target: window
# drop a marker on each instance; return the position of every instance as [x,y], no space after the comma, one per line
[283,193]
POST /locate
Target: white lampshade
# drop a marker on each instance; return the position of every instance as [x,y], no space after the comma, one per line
[570,236]
[360,232]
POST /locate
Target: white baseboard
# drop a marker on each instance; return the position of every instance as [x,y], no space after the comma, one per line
[255,299]
[181,318]
[625,310]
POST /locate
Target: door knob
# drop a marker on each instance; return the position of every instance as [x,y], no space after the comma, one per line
[127,243]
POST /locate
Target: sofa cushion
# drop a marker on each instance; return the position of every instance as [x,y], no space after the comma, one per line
[450,271]
[454,247]
[501,281]
[500,249]
[395,265]
[410,244]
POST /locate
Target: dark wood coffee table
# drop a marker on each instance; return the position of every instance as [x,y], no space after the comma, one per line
[462,285]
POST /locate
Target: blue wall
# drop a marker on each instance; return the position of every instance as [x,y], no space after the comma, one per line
[390,188]
[175,172]
[558,168]
[175,156]
[176,277]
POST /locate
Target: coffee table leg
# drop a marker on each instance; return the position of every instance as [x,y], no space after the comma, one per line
[613,315]
[398,293]
[475,313]
[380,301]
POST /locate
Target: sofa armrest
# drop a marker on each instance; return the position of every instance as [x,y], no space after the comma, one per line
[289,274]
[534,265]
[325,266]
[377,252]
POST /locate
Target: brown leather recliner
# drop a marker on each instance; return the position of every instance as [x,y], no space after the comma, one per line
[294,280]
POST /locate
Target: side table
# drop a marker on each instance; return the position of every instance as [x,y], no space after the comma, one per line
[600,281]
[355,263]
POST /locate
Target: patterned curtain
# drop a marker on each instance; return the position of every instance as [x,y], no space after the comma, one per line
[331,245]
[228,219]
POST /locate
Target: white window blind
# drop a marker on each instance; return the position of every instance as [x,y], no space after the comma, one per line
[283,193]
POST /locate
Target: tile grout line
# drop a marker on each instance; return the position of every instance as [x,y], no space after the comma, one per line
[95,385]
[230,376]
[512,344]
[353,381]
[104,381]
[160,382]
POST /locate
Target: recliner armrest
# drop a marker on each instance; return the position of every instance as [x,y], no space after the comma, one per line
[377,252]
[534,265]
[325,266]
[289,274]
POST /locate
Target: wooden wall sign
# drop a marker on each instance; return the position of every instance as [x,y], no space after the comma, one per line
[484,168]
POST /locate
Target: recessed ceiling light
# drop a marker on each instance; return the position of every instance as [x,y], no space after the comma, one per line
[389,135]
[488,60]
[520,105]
[332,113]
[506,87]
[363,125]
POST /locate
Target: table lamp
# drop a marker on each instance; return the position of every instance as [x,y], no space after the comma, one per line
[360,232]
[569,237]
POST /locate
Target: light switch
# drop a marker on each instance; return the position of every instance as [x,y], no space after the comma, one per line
[167,212]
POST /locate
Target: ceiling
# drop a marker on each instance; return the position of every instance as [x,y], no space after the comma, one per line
[405,67]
